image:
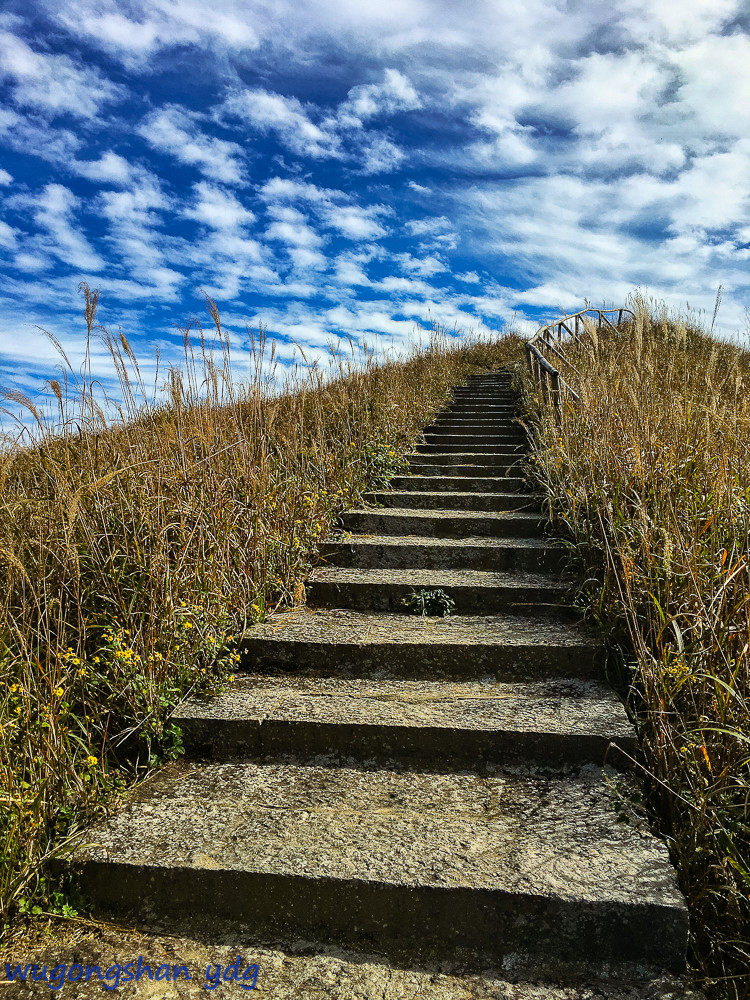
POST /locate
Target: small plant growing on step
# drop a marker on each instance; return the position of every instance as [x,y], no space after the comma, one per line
[430,602]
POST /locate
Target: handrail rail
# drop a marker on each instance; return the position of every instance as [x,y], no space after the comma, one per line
[553,384]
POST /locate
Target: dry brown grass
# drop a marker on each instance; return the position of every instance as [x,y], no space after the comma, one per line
[650,479]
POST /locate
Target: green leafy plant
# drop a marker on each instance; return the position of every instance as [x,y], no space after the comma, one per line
[430,602]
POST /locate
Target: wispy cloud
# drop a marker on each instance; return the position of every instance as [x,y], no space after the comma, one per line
[53,83]
[173,130]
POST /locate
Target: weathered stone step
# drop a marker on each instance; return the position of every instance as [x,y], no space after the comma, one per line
[404,551]
[503,423]
[456,500]
[437,523]
[445,426]
[427,864]
[498,459]
[512,442]
[464,440]
[474,419]
[460,484]
[465,470]
[479,592]
[350,643]
[448,725]
[470,407]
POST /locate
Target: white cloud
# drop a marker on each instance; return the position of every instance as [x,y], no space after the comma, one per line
[175,131]
[145,28]
[434,233]
[7,236]
[287,119]
[338,133]
[369,100]
[425,267]
[134,222]
[110,168]
[53,210]
[218,208]
[334,209]
[5,178]
[53,83]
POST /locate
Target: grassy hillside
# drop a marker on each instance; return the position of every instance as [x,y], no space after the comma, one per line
[133,550]
[649,478]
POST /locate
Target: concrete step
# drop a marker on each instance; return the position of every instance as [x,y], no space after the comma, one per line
[456,500]
[507,443]
[421,863]
[476,416]
[460,724]
[468,440]
[478,413]
[412,552]
[450,459]
[480,592]
[443,426]
[464,469]
[479,406]
[441,523]
[461,484]
[353,644]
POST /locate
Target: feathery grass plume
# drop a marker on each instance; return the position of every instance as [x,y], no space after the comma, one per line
[650,479]
[142,531]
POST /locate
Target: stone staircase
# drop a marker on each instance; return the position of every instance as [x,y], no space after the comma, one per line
[427,789]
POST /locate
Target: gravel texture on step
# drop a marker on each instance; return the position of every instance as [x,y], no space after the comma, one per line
[458,484]
[427,499]
[519,857]
[353,643]
[441,553]
[472,591]
[441,723]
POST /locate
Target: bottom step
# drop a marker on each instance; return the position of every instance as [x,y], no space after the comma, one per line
[519,861]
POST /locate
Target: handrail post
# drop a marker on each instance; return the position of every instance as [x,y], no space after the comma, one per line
[555,393]
[545,386]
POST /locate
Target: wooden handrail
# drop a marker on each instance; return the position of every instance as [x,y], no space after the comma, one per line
[552,383]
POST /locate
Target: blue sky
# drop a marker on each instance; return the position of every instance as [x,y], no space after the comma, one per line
[336,168]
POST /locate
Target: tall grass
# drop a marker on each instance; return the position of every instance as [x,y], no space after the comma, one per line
[138,540]
[650,478]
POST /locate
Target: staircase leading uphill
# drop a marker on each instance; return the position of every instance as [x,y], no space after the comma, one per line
[428,789]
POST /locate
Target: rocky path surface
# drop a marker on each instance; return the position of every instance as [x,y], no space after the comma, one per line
[444,793]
